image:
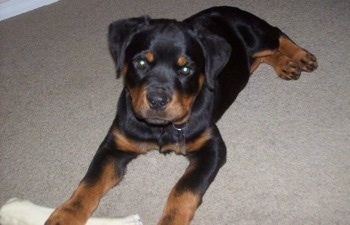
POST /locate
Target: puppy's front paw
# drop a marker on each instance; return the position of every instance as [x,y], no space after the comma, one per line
[306,60]
[285,67]
[290,70]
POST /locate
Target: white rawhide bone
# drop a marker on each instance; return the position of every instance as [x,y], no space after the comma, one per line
[23,212]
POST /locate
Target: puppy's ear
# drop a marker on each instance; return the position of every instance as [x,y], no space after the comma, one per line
[119,36]
[217,53]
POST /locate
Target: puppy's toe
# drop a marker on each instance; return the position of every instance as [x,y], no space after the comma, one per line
[307,61]
[289,70]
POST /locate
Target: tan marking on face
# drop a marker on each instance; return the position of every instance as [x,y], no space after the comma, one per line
[182,103]
[181,61]
[124,70]
[138,98]
[150,57]
[201,81]
[178,108]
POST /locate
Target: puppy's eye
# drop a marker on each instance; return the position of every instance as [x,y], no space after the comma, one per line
[141,64]
[185,70]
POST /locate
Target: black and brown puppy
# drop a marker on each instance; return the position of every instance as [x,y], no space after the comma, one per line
[180,77]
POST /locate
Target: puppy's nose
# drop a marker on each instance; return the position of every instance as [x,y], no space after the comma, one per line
[158,101]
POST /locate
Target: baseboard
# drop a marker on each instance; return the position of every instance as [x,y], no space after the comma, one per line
[15,7]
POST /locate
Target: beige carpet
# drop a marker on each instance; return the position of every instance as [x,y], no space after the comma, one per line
[288,142]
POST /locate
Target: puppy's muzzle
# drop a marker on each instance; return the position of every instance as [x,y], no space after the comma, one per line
[158,100]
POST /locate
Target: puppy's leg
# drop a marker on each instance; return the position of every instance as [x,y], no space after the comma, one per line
[306,61]
[24,212]
[187,194]
[105,171]
[288,61]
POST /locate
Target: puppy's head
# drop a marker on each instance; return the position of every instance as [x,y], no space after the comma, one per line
[165,64]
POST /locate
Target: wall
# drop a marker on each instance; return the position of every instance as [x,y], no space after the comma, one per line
[10,8]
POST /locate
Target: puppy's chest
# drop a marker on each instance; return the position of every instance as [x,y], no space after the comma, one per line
[182,142]
[174,140]
[163,140]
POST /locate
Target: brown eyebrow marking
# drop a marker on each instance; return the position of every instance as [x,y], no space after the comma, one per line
[149,57]
[181,61]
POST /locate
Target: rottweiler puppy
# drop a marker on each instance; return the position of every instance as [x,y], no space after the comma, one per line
[180,77]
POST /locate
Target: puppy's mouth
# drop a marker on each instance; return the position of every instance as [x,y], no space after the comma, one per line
[156,121]
[161,118]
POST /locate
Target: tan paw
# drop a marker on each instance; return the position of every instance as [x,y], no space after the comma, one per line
[288,69]
[306,61]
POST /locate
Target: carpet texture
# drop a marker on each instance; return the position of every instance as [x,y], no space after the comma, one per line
[288,141]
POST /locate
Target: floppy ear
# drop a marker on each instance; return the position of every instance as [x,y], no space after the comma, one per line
[217,53]
[119,36]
